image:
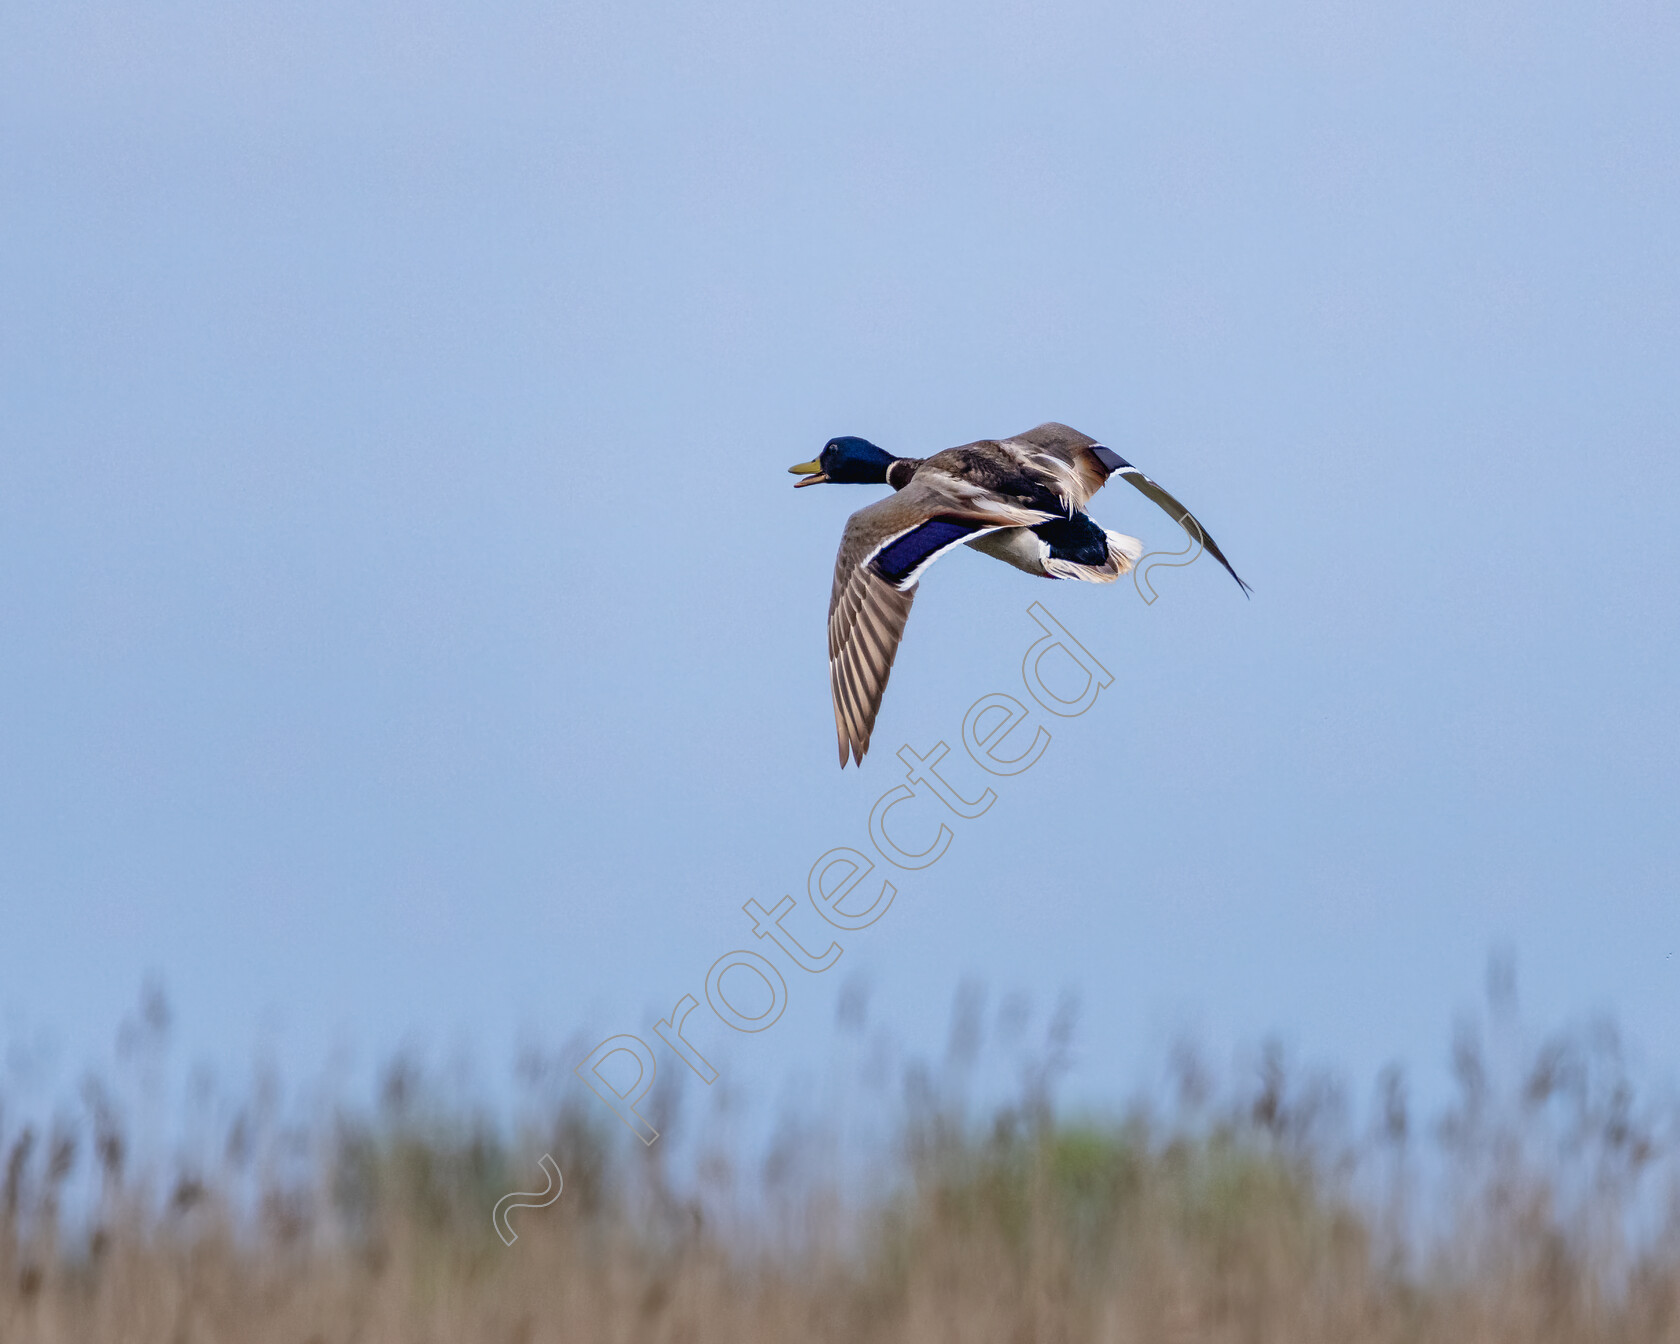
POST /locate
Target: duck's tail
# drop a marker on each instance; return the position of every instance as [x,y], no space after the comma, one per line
[1122,553]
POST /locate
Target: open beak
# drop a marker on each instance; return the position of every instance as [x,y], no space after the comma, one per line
[811,471]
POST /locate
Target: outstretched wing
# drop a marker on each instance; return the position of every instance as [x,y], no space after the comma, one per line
[1079,466]
[1174,510]
[882,554]
[1065,456]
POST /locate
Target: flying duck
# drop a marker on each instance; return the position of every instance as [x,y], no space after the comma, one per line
[1019,500]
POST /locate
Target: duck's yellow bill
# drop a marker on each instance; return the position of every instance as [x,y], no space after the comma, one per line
[811,471]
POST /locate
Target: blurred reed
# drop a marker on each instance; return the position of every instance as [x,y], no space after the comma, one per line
[1258,1204]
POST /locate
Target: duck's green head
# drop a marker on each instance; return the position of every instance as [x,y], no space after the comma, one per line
[847,460]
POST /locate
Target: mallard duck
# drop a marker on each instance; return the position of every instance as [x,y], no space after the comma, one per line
[1020,500]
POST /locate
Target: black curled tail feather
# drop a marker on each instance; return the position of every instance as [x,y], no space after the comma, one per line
[1077,540]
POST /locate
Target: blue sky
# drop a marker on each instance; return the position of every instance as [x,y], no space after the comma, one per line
[408,632]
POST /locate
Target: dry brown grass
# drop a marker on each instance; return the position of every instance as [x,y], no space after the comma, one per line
[1538,1208]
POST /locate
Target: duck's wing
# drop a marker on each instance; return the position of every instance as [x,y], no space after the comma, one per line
[1063,455]
[1081,466]
[882,555]
[1173,509]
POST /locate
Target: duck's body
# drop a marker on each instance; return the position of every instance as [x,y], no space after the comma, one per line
[1019,500]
